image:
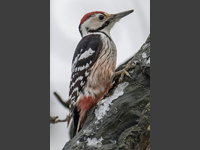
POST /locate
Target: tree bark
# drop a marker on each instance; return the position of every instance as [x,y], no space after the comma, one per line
[126,124]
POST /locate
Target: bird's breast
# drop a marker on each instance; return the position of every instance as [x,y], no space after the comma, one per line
[99,81]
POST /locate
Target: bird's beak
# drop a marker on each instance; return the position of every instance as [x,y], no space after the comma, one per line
[118,16]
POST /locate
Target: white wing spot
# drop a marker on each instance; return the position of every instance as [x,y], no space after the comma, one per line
[86,54]
[79,78]
[75,89]
[82,83]
[86,73]
[74,63]
[82,67]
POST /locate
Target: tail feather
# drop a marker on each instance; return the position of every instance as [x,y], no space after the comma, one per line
[76,119]
[80,112]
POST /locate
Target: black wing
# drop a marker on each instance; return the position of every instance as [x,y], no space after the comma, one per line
[86,54]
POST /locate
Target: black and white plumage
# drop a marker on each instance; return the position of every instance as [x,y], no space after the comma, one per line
[86,54]
[93,64]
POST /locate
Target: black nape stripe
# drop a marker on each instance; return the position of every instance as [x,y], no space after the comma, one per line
[102,27]
[79,27]
[105,34]
[101,32]
[97,30]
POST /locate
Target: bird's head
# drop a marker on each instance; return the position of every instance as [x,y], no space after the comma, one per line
[99,21]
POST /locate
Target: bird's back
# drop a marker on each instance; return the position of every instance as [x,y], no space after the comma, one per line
[93,64]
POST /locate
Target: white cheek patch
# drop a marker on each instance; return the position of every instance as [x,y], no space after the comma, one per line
[92,23]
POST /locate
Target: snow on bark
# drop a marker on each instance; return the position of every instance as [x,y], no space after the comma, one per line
[144,55]
[94,142]
[103,105]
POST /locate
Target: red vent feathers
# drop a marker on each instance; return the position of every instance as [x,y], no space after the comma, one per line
[86,16]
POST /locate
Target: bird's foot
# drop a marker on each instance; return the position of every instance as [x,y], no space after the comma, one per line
[124,71]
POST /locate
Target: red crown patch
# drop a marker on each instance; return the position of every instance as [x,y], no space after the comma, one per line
[88,15]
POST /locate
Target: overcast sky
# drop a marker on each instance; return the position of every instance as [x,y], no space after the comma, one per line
[128,34]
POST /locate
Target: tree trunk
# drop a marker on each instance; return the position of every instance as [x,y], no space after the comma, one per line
[122,119]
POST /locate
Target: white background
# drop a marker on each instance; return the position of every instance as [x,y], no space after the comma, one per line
[65,15]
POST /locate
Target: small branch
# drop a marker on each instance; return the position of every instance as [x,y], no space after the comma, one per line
[65,104]
[54,120]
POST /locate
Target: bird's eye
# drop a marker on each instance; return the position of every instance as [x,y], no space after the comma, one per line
[101,17]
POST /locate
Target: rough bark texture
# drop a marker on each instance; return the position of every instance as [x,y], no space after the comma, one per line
[126,125]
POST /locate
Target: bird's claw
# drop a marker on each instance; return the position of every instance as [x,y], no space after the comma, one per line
[125,70]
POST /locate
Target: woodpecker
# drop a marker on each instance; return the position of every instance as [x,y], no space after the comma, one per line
[93,64]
